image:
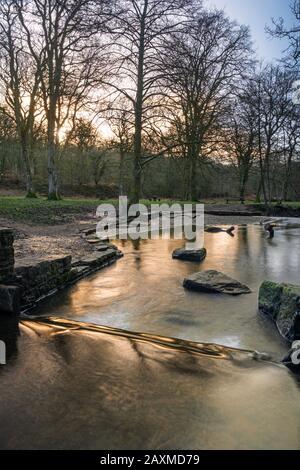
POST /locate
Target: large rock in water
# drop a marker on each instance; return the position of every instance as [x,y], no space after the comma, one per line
[189,255]
[282,303]
[214,281]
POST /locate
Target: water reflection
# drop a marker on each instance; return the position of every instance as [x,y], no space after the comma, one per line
[143,291]
[79,386]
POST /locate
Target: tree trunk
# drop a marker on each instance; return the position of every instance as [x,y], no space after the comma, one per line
[193,194]
[192,154]
[137,166]
[30,191]
[137,156]
[2,166]
[121,173]
[137,172]
[242,190]
[263,182]
[287,176]
[53,193]
[243,182]
[52,175]
[262,161]
[258,192]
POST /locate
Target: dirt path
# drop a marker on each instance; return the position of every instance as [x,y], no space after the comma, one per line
[47,241]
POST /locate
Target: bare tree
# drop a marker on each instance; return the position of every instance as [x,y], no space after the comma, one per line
[121,121]
[240,137]
[61,39]
[83,136]
[271,97]
[21,85]
[203,64]
[7,138]
[292,34]
[291,147]
[140,28]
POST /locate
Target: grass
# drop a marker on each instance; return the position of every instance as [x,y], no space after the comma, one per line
[295,205]
[42,211]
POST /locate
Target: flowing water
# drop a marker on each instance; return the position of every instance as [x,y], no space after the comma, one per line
[70,384]
[76,386]
[143,291]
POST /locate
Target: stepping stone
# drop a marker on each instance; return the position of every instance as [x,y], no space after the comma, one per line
[215,281]
[93,241]
[96,260]
[89,231]
[102,247]
[189,255]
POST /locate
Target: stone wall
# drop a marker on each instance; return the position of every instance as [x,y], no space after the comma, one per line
[9,294]
[37,281]
[6,253]
[22,288]
[45,278]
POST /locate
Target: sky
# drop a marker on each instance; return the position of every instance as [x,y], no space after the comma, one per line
[257,14]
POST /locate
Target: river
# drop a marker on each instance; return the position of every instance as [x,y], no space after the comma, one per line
[70,383]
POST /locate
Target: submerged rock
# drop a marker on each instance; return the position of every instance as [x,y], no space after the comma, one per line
[282,303]
[215,281]
[211,229]
[189,255]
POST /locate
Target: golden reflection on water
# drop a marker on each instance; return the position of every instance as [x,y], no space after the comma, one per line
[61,325]
[143,291]
[79,386]
[130,384]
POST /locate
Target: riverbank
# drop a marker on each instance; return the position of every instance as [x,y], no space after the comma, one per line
[40,211]
[36,241]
